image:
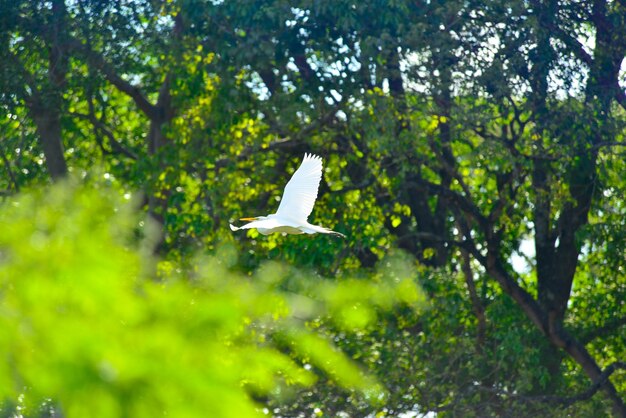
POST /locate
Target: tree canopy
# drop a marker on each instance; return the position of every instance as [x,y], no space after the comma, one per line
[473,155]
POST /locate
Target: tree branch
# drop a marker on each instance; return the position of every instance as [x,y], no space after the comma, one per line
[602,380]
[479,309]
[566,401]
[98,62]
[463,203]
[288,141]
[575,46]
[116,146]
[553,331]
[610,325]
[7,164]
[620,94]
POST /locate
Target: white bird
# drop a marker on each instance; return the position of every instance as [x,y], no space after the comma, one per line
[296,204]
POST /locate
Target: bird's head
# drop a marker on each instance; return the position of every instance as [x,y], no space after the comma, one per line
[255,218]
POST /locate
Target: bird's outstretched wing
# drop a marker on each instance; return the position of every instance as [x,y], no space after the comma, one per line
[301,190]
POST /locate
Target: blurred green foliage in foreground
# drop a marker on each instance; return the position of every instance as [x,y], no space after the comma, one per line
[93,324]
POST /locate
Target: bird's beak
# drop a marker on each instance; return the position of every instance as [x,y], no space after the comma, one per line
[247,219]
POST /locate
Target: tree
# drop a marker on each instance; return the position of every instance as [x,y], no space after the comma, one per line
[461,132]
[36,70]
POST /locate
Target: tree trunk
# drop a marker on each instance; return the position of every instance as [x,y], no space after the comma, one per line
[48,125]
[45,105]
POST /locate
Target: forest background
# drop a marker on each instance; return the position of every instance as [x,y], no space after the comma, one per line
[474,157]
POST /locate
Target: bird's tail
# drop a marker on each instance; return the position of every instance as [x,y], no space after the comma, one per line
[338,234]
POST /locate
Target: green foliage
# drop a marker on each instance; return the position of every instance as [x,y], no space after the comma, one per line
[93,322]
[457,131]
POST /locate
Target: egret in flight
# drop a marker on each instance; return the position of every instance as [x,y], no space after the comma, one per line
[296,204]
